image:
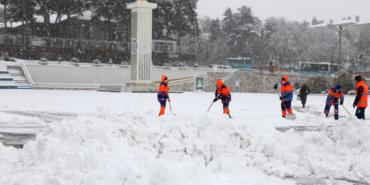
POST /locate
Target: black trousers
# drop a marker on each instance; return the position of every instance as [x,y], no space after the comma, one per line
[360,112]
[303,99]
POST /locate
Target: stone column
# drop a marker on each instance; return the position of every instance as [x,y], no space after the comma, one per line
[141,41]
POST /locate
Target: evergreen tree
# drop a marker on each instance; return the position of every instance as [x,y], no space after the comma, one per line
[123,15]
[345,79]
[229,30]
[184,20]
[206,25]
[163,18]
[215,30]
[104,11]
[247,28]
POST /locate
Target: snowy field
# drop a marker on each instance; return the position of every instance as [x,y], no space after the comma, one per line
[118,138]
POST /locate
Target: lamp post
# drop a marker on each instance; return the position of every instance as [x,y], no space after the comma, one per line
[262,31]
[196,37]
[340,45]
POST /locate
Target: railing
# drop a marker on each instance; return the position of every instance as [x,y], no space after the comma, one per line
[27,74]
[66,86]
[185,80]
[193,69]
[9,39]
[324,74]
[69,64]
[227,77]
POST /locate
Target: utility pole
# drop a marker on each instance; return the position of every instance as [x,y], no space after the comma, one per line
[261,50]
[196,37]
[22,23]
[340,45]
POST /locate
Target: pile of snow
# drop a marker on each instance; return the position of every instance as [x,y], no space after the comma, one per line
[137,147]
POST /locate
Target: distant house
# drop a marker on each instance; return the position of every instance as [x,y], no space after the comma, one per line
[352,25]
[160,45]
[38,42]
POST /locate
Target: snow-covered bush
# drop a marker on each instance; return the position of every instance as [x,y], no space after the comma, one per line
[346,80]
[43,61]
[317,84]
[296,85]
[75,61]
[59,60]
[183,64]
[6,57]
[125,63]
[96,63]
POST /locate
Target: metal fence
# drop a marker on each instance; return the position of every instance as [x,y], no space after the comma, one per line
[8,39]
[70,64]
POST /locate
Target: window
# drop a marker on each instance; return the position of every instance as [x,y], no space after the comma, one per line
[161,46]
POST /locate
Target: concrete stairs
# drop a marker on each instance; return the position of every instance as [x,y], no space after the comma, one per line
[19,79]
[12,78]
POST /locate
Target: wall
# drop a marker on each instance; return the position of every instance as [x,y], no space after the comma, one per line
[97,75]
[3,67]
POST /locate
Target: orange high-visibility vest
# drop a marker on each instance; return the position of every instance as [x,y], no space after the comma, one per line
[365,93]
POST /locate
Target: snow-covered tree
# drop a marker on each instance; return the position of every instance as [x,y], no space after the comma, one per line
[345,79]
[215,30]
[317,84]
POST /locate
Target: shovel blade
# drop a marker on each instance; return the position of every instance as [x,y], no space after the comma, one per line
[290,116]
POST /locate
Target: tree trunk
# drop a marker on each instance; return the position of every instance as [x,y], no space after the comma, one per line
[69,19]
[46,18]
[25,15]
[5,21]
[108,22]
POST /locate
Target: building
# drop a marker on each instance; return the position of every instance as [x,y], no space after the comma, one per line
[352,25]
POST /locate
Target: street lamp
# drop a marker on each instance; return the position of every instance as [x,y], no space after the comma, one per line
[341,29]
[262,31]
[196,37]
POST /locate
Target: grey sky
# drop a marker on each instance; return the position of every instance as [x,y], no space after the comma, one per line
[298,10]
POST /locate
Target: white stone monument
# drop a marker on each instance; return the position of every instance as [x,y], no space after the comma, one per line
[141,44]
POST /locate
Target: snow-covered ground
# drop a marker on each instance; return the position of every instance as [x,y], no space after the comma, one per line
[118,138]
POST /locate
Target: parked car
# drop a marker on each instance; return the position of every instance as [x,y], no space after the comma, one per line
[223,67]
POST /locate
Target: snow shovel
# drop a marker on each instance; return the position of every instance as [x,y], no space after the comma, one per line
[347,110]
[210,107]
[170,106]
[287,116]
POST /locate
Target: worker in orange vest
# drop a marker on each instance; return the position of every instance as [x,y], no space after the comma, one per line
[163,94]
[362,92]
[335,93]
[223,93]
[286,95]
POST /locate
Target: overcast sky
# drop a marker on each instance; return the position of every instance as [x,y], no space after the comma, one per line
[298,10]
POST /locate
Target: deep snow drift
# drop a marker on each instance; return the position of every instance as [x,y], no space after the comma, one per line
[119,139]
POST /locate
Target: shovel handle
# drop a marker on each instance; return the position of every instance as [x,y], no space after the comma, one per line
[281,100]
[210,107]
[346,110]
[170,106]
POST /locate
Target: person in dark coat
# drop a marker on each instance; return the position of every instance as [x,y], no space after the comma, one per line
[303,93]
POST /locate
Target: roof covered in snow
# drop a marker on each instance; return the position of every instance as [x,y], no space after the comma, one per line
[319,25]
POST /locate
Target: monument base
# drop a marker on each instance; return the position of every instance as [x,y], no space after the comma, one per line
[140,88]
